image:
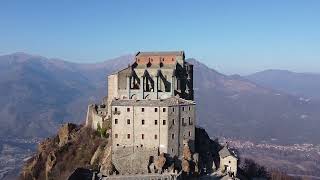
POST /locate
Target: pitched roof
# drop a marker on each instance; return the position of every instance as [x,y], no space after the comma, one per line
[172,101]
[161,53]
[225,152]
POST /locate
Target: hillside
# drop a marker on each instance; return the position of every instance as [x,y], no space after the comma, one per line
[42,93]
[298,84]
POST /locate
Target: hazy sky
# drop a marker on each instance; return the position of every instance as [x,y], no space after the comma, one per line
[232,36]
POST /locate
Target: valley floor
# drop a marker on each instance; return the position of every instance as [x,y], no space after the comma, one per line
[13,153]
[295,159]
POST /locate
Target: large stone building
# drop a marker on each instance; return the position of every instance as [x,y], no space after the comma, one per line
[150,104]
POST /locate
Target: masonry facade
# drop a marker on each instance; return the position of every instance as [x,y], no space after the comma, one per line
[152,109]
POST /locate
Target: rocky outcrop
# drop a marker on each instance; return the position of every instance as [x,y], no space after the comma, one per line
[160,162]
[74,147]
[64,133]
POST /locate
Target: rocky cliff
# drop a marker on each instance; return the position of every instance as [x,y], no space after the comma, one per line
[74,147]
[77,147]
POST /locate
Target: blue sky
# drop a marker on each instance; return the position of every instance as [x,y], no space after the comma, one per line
[232,36]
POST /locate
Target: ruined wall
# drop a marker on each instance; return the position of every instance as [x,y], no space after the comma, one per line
[93,117]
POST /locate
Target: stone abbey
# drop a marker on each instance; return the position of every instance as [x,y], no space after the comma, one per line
[151,109]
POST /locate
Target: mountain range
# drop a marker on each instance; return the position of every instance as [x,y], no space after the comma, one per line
[298,84]
[39,94]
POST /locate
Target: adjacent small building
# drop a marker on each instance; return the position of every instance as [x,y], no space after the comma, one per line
[228,161]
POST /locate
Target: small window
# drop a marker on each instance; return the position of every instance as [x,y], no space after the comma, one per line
[117,144]
[115,109]
[115,121]
[142,136]
[155,109]
[172,150]
[173,121]
[116,136]
[128,121]
[142,121]
[164,122]
[172,136]
[155,122]
[128,136]
[155,136]
[173,109]
[229,162]
[190,123]
[189,133]
[142,109]
[128,109]
[164,110]
[189,108]
[182,120]
[182,108]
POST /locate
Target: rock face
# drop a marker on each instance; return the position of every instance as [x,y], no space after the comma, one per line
[160,162]
[74,147]
[77,147]
[64,133]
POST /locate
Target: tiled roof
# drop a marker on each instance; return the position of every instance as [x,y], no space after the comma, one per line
[172,101]
[225,152]
[161,53]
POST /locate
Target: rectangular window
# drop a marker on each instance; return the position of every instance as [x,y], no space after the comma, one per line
[155,136]
[190,123]
[142,109]
[115,109]
[189,108]
[173,109]
[142,121]
[128,109]
[189,133]
[128,136]
[164,122]
[164,110]
[142,136]
[172,136]
[155,109]
[172,150]
[182,121]
[173,121]
[182,108]
[128,121]
[116,136]
[115,121]
[155,122]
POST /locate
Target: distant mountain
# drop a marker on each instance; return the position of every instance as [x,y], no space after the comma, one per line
[38,94]
[306,85]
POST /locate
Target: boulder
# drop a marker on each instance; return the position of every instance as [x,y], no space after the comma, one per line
[185,166]
[160,162]
[187,153]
